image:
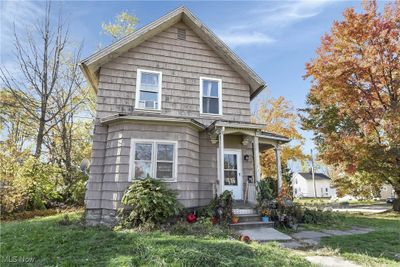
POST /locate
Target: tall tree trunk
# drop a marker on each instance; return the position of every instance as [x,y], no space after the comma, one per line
[40,137]
[396,203]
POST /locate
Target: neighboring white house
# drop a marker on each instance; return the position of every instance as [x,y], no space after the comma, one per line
[302,184]
[387,191]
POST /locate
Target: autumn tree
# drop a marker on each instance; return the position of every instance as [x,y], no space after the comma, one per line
[48,74]
[280,117]
[354,100]
[123,24]
[14,121]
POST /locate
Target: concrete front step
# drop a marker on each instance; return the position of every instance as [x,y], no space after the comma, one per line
[244,211]
[251,225]
[249,217]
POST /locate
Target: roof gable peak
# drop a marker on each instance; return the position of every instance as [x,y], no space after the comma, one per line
[91,65]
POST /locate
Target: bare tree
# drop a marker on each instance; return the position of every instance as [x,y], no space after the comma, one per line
[49,76]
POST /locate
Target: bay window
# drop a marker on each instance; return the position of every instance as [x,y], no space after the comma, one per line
[155,159]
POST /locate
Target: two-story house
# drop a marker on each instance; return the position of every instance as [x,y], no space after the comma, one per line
[172,101]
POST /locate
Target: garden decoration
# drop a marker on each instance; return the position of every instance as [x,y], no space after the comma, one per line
[265,215]
[191,218]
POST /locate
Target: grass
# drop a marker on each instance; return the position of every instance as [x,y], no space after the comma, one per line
[322,202]
[50,244]
[377,248]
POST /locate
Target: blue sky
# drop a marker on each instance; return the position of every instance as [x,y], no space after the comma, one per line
[276,38]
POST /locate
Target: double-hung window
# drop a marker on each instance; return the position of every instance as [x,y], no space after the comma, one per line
[210,96]
[148,89]
[156,159]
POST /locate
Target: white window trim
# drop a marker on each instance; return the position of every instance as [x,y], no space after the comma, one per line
[219,96]
[137,94]
[154,158]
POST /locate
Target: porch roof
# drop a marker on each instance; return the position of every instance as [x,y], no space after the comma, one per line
[253,129]
[152,118]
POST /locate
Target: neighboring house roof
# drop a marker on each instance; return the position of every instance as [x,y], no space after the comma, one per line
[318,176]
[91,65]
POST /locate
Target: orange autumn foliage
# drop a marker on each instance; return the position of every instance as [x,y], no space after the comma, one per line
[354,101]
[279,117]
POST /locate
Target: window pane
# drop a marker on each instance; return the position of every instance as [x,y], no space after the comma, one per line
[148,100]
[149,81]
[164,170]
[230,162]
[148,96]
[210,88]
[142,169]
[143,151]
[165,152]
[230,178]
[210,105]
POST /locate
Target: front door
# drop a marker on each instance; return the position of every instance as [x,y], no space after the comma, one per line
[233,172]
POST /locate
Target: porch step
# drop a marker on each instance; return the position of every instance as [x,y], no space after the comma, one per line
[249,217]
[243,211]
[251,225]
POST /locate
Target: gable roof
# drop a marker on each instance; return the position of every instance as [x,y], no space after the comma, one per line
[91,65]
[318,176]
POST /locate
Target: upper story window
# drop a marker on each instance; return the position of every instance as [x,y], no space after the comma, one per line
[210,96]
[153,158]
[148,89]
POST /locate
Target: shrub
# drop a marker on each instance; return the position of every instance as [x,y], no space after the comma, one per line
[315,216]
[220,207]
[265,190]
[147,203]
[27,183]
[77,189]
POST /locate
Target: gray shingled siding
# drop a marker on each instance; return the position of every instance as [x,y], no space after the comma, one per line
[182,63]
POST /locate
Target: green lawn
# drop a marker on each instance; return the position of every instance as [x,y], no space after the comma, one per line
[378,248]
[51,244]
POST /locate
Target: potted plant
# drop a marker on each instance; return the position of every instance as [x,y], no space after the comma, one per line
[235,219]
[265,214]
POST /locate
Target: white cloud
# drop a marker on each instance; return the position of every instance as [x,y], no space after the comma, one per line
[244,38]
[18,14]
[260,24]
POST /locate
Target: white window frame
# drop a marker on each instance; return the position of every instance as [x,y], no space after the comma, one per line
[137,94]
[154,142]
[219,96]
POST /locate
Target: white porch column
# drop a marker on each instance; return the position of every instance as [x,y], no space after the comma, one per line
[278,166]
[221,159]
[256,159]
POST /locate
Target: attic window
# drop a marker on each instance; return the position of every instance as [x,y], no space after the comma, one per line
[182,34]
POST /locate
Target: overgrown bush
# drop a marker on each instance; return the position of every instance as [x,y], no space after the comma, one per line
[147,203]
[316,216]
[219,207]
[265,191]
[27,183]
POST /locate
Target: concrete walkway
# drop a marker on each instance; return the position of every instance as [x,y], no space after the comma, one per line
[265,234]
[331,261]
[304,239]
[365,209]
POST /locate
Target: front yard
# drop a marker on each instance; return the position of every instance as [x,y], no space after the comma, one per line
[377,248]
[49,243]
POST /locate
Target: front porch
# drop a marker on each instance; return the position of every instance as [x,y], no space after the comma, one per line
[240,145]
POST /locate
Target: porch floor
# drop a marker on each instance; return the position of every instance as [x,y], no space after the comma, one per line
[239,204]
